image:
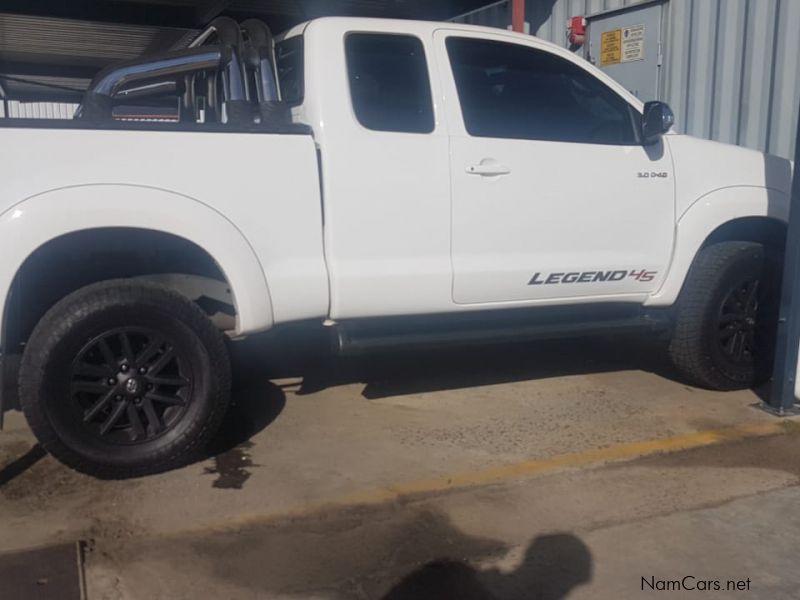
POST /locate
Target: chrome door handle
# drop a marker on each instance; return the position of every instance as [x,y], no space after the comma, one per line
[489,170]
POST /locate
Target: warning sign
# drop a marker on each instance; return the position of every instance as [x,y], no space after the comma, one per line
[611,47]
[633,43]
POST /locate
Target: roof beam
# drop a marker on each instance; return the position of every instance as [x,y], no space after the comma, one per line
[189,15]
[107,11]
[34,68]
[209,10]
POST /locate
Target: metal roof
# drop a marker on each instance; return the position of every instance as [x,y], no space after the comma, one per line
[63,44]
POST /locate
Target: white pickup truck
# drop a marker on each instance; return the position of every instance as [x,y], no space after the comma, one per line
[399,182]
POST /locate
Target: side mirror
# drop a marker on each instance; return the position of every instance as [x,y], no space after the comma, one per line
[657,119]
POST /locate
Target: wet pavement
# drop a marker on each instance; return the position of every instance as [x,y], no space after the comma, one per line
[586,534]
[522,471]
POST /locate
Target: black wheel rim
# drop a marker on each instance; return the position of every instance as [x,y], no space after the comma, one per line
[738,322]
[130,385]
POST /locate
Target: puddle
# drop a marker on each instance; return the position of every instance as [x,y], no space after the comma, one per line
[232,468]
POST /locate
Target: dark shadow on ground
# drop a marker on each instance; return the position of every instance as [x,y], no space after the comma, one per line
[764,391]
[21,464]
[255,404]
[400,374]
[393,551]
[306,353]
[394,373]
[553,566]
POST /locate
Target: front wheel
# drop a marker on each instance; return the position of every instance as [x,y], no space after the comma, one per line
[122,378]
[726,317]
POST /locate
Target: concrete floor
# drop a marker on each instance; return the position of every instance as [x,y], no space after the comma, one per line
[552,470]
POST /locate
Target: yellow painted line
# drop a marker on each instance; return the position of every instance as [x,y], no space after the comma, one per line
[560,462]
[523,470]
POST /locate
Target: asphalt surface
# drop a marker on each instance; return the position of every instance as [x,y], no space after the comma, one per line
[577,469]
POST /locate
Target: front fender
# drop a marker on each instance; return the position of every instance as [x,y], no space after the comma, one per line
[38,219]
[706,215]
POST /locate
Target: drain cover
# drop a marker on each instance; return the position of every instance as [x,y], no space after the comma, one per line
[51,573]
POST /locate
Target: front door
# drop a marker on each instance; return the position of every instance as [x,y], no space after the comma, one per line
[553,196]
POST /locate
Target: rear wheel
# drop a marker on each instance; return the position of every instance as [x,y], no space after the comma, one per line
[727,315]
[124,378]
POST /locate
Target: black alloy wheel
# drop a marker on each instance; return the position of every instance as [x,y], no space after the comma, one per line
[125,378]
[738,322]
[130,385]
[726,316]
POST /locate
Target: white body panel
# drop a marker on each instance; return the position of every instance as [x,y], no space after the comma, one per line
[400,228]
[539,219]
[251,201]
[387,195]
[717,183]
[562,208]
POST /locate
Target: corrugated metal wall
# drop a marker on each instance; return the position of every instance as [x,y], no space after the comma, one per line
[731,66]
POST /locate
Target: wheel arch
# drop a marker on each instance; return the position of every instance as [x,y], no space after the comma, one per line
[766,230]
[742,213]
[167,233]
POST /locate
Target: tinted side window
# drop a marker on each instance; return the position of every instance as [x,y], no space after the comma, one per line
[290,66]
[389,82]
[511,91]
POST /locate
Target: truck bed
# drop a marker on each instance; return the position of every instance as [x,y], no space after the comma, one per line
[262,185]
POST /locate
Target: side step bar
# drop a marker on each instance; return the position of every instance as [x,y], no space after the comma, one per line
[363,336]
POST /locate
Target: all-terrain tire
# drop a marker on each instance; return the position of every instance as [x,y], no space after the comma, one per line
[726,317]
[164,366]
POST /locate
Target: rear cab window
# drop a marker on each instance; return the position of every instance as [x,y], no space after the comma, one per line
[289,62]
[390,86]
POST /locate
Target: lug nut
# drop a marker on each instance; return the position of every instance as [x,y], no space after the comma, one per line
[137,401]
[118,397]
[142,370]
[111,381]
[124,368]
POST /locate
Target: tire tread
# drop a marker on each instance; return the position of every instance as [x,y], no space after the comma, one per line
[81,304]
[686,349]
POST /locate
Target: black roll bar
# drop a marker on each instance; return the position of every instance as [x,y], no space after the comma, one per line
[242,55]
[260,59]
[229,35]
[110,80]
[99,99]
[183,64]
[259,55]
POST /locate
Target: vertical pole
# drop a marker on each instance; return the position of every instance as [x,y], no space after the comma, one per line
[518,15]
[782,398]
[4,96]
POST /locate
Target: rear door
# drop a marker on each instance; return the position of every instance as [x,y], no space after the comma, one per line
[385,168]
[553,196]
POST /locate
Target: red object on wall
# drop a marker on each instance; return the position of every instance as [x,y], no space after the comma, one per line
[518,15]
[576,27]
